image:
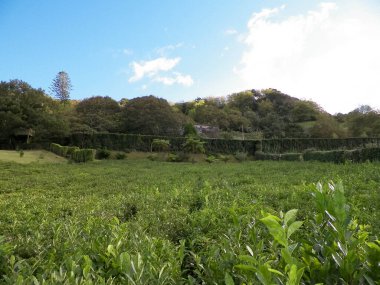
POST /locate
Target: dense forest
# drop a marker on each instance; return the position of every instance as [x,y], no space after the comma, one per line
[251,114]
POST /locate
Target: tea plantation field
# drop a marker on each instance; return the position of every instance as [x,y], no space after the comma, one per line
[147,222]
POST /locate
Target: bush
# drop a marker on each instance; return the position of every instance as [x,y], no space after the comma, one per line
[83,155]
[363,155]
[120,155]
[152,157]
[64,151]
[193,145]
[241,156]
[70,150]
[223,158]
[178,157]
[58,149]
[211,159]
[160,145]
[103,154]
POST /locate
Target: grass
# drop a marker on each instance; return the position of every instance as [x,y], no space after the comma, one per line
[62,218]
[39,156]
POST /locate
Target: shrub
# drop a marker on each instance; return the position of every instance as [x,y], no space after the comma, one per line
[70,150]
[103,154]
[189,130]
[83,155]
[210,159]
[58,149]
[194,145]
[64,151]
[120,155]
[371,154]
[152,157]
[178,157]
[224,158]
[160,145]
[241,156]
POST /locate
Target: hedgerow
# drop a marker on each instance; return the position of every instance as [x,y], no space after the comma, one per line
[73,152]
[83,155]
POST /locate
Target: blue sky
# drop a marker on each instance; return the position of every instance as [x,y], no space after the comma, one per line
[181,50]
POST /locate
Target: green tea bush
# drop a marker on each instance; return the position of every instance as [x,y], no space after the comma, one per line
[334,248]
[83,155]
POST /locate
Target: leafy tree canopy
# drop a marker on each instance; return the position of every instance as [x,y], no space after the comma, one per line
[151,115]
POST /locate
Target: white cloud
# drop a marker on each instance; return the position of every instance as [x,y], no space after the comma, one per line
[165,49]
[176,78]
[127,51]
[329,55]
[152,67]
[230,32]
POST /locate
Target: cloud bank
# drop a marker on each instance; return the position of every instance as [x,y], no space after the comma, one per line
[330,55]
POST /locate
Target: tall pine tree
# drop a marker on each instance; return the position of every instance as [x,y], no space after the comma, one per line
[61,86]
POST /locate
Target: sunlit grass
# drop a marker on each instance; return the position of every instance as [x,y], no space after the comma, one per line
[28,156]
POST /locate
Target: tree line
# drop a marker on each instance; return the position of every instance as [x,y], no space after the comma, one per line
[254,114]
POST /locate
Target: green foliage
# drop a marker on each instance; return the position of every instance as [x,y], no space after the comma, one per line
[189,130]
[178,157]
[153,157]
[22,106]
[59,150]
[64,151]
[302,144]
[61,86]
[101,114]
[210,159]
[224,158]
[336,250]
[149,115]
[336,156]
[193,145]
[363,155]
[259,155]
[83,155]
[241,156]
[160,145]
[120,155]
[103,154]
[137,222]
